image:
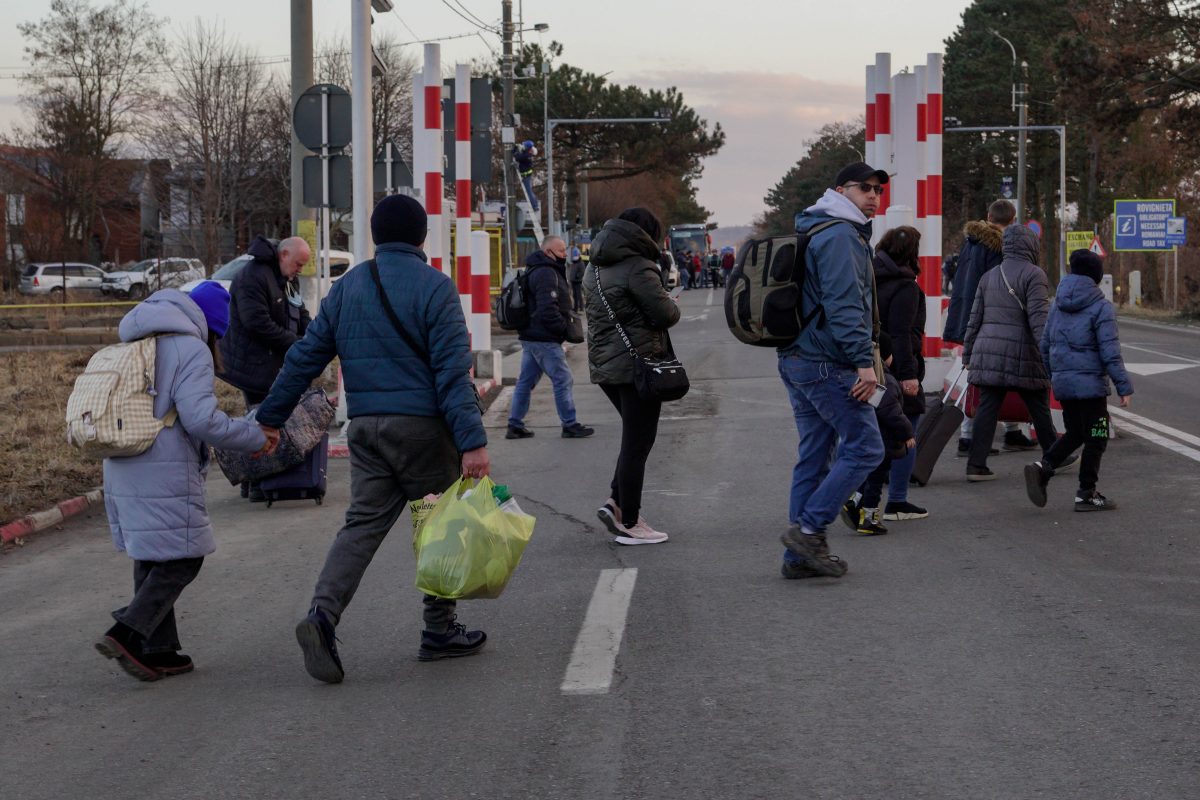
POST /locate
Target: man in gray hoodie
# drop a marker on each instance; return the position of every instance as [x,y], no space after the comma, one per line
[829,369]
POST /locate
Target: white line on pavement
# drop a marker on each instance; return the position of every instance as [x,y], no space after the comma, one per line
[1161,353]
[1170,444]
[1158,426]
[595,654]
[709,301]
[497,413]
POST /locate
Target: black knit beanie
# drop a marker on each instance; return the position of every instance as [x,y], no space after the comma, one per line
[1085,262]
[399,218]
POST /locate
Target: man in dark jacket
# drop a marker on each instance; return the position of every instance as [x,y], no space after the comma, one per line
[415,423]
[266,316]
[829,370]
[542,342]
[575,273]
[1001,344]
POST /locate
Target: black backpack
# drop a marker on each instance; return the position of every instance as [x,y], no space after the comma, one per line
[514,306]
[763,296]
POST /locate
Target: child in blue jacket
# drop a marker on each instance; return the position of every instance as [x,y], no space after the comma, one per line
[1081,350]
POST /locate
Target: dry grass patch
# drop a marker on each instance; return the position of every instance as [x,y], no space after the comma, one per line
[40,468]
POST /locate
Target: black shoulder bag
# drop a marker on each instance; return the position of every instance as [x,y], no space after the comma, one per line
[662,380]
[404,334]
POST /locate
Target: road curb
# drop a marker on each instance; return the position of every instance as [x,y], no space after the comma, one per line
[339,448]
[41,520]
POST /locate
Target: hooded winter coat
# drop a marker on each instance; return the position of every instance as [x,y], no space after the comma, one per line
[624,262]
[1080,345]
[263,322]
[155,501]
[902,316]
[982,250]
[1001,345]
[839,280]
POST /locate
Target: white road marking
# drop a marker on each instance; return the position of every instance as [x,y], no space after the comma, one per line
[1170,444]
[497,413]
[1129,416]
[1156,369]
[696,317]
[1160,353]
[595,655]
[709,301]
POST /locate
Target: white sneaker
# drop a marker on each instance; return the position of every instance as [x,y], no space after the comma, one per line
[640,533]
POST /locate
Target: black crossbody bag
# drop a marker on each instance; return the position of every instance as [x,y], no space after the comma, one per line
[404,334]
[664,379]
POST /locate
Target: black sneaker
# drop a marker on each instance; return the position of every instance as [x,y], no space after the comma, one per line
[849,513]
[815,551]
[898,511]
[964,449]
[1093,501]
[792,570]
[169,663]
[977,474]
[518,432]
[1015,440]
[868,523]
[454,643]
[1036,479]
[316,638]
[577,431]
[125,645]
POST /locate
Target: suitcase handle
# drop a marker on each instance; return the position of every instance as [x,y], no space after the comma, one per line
[958,376]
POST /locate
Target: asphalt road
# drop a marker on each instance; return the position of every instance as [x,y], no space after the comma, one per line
[995,650]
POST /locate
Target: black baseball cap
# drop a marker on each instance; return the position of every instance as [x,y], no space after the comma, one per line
[859,171]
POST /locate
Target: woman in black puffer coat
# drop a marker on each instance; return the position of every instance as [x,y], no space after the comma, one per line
[624,266]
[902,316]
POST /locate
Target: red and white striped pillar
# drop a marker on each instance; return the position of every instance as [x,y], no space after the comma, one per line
[869,139]
[435,245]
[463,192]
[883,124]
[931,239]
[919,163]
[480,320]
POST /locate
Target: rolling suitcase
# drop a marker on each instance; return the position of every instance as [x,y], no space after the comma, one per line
[938,426]
[305,481]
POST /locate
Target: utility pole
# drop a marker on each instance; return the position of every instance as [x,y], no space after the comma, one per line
[302,78]
[508,131]
[1022,135]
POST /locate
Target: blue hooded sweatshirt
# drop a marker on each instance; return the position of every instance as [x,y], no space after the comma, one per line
[1080,346]
[839,279]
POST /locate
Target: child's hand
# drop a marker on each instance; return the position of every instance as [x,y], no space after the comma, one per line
[1125,401]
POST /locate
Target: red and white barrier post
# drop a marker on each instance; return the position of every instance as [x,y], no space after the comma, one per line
[480,319]
[931,238]
[883,128]
[463,192]
[869,138]
[435,245]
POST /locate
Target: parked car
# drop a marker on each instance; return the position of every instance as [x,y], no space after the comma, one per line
[673,272]
[53,278]
[148,276]
[339,262]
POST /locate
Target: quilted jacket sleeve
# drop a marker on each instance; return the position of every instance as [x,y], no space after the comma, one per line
[645,286]
[194,399]
[304,362]
[1110,349]
[450,359]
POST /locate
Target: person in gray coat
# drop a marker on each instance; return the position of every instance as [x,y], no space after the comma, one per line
[1001,345]
[155,501]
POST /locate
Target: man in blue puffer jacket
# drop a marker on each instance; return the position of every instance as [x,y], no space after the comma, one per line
[1081,350]
[414,417]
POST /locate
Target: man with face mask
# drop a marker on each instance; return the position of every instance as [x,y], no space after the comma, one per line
[542,342]
[829,369]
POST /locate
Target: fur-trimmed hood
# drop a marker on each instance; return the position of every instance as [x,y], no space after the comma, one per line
[986,233]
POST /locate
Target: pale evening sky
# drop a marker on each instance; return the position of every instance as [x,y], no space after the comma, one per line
[771,71]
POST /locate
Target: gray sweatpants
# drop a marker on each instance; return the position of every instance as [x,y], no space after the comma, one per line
[393,459]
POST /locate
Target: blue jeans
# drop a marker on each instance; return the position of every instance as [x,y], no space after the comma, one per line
[902,470]
[533,201]
[826,415]
[548,358]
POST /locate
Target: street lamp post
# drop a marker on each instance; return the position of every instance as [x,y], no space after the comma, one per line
[551,124]
[1022,109]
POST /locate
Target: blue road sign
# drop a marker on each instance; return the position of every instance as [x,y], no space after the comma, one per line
[1142,224]
[1176,231]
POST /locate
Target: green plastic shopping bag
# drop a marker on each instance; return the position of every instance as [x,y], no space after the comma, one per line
[468,547]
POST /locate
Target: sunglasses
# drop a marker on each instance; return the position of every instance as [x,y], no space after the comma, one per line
[877,188]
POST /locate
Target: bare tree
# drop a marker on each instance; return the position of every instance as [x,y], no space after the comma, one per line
[209,128]
[391,93]
[89,85]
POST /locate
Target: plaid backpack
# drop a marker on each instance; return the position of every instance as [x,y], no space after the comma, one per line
[110,412]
